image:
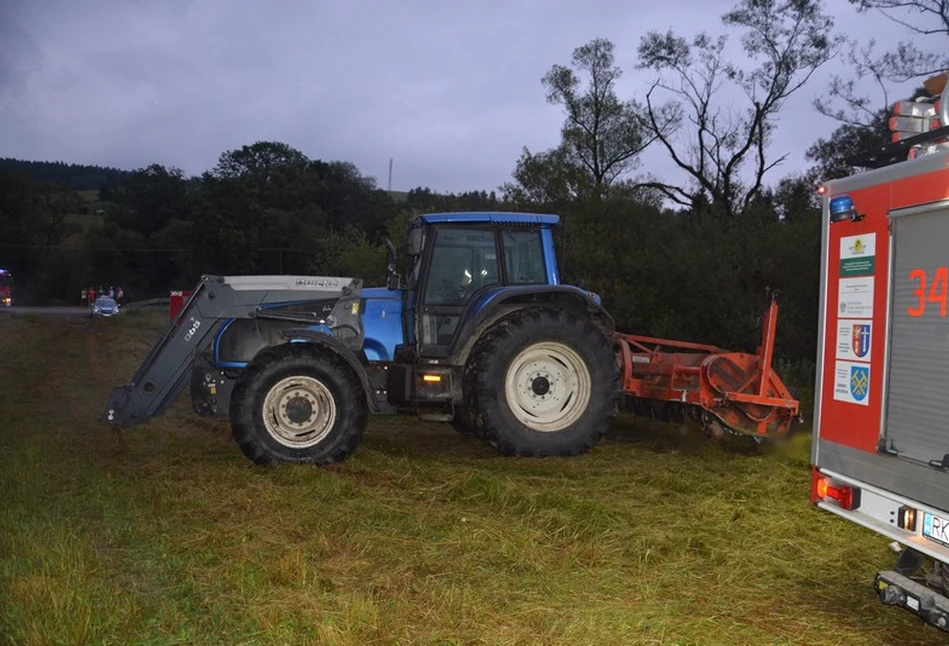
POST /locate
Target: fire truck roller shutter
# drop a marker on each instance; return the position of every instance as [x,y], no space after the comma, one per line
[917,409]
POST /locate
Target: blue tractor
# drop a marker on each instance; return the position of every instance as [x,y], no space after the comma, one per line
[481,334]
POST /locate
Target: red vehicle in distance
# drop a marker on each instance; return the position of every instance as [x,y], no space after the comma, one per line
[6,288]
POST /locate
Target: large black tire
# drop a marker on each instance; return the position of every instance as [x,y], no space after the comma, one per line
[541,383]
[298,403]
[464,422]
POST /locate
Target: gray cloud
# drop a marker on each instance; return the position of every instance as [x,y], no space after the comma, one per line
[450,90]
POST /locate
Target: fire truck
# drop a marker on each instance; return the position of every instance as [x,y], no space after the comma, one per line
[6,288]
[880,454]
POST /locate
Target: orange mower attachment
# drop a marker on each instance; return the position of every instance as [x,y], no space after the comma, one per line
[724,391]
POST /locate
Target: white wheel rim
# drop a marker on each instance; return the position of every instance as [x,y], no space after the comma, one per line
[299,412]
[547,386]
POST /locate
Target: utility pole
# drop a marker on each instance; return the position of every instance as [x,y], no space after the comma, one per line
[390,173]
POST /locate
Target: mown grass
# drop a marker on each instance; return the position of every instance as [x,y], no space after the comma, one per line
[166,534]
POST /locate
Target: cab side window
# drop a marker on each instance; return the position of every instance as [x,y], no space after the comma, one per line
[463,261]
[524,258]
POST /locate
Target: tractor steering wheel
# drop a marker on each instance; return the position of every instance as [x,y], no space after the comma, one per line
[453,292]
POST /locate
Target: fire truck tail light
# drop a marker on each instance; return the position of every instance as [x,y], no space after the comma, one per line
[846,497]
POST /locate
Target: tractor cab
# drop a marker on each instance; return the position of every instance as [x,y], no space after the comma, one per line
[464,261]
[460,266]
[468,271]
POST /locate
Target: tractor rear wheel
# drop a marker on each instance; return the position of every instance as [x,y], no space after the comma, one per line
[298,403]
[545,383]
[463,422]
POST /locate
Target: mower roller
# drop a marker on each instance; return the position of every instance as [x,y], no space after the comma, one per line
[726,392]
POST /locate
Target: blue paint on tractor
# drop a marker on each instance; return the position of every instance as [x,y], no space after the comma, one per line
[550,255]
[382,322]
[495,217]
[486,298]
[489,297]
[236,365]
[216,349]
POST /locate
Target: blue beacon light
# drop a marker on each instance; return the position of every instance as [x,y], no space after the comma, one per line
[842,207]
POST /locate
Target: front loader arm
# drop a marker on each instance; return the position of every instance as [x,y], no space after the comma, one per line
[166,370]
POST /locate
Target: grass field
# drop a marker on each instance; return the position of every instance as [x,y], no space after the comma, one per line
[166,534]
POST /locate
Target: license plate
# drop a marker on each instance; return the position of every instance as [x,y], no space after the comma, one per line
[936,528]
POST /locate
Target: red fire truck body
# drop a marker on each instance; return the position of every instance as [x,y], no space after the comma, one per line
[880,451]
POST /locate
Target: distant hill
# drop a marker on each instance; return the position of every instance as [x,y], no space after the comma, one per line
[79,177]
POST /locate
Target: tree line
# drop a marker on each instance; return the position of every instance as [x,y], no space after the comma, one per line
[693,257]
[78,177]
[263,208]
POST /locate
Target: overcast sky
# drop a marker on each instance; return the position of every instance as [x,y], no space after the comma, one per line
[450,90]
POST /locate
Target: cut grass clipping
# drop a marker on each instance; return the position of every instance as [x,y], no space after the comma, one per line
[166,534]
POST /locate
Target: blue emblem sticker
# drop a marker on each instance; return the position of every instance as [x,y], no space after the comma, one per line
[859,382]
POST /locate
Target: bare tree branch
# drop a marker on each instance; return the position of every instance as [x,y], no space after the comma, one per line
[726,149]
[907,62]
[601,136]
[674,193]
[935,8]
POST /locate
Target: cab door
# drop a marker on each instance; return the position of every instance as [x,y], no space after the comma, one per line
[462,261]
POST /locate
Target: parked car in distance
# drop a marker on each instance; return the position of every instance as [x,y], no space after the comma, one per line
[105,306]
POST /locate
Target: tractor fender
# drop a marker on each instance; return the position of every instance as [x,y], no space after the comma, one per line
[495,305]
[331,343]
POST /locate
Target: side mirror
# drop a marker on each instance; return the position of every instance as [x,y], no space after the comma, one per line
[414,243]
[392,275]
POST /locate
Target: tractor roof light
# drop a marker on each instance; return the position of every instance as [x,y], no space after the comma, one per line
[841,208]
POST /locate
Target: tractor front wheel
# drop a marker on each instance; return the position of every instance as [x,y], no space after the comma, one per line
[297,403]
[546,383]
